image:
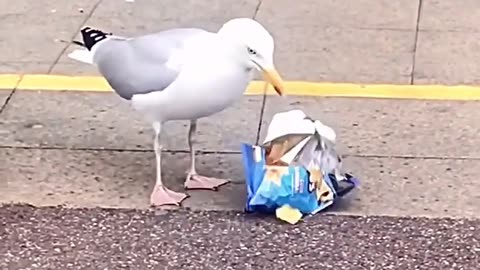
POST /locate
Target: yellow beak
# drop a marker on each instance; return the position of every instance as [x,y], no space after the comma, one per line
[271,75]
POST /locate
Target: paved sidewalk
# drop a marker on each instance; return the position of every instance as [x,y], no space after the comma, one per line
[85,150]
[360,42]
[414,157]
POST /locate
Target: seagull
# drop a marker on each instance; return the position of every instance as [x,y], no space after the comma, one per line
[182,74]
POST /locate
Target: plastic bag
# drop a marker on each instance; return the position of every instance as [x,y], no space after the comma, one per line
[297,166]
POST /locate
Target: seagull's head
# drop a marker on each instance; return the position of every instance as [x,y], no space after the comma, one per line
[257,45]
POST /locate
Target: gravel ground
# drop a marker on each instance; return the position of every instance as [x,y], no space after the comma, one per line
[62,238]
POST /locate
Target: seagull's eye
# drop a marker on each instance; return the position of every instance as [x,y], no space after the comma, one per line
[251,51]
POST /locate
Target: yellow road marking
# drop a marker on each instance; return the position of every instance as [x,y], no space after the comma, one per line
[9,81]
[294,88]
[64,83]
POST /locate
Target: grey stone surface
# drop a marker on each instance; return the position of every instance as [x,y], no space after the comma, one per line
[444,15]
[393,187]
[380,14]
[103,120]
[31,30]
[415,187]
[447,58]
[24,67]
[318,53]
[157,16]
[304,51]
[362,42]
[71,67]
[390,127]
[112,179]
[147,16]
[50,7]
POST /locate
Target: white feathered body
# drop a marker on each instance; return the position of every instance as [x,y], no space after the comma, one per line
[180,74]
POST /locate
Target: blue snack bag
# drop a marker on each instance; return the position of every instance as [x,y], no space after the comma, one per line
[269,187]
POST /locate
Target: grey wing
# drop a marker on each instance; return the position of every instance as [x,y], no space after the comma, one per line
[138,65]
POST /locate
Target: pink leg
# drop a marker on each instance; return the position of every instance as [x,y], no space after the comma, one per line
[195,181]
[161,195]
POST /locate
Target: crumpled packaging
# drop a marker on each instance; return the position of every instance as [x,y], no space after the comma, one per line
[296,171]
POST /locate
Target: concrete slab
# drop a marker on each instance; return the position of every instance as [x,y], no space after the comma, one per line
[455,61]
[156,16]
[379,56]
[142,17]
[398,187]
[26,7]
[103,120]
[111,179]
[30,46]
[318,53]
[37,41]
[391,127]
[415,187]
[383,14]
[24,67]
[450,15]
[74,68]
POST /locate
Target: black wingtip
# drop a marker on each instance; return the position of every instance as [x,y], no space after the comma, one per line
[92,36]
[78,43]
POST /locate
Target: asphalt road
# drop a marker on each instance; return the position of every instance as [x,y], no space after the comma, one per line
[62,238]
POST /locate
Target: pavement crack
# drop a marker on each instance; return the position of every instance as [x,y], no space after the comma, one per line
[257,8]
[105,149]
[417,28]
[87,17]
[422,157]
[10,95]
[260,121]
[368,28]
[230,152]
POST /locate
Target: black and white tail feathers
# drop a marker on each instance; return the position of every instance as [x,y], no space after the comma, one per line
[91,37]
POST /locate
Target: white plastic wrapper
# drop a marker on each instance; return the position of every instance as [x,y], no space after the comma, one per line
[316,151]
